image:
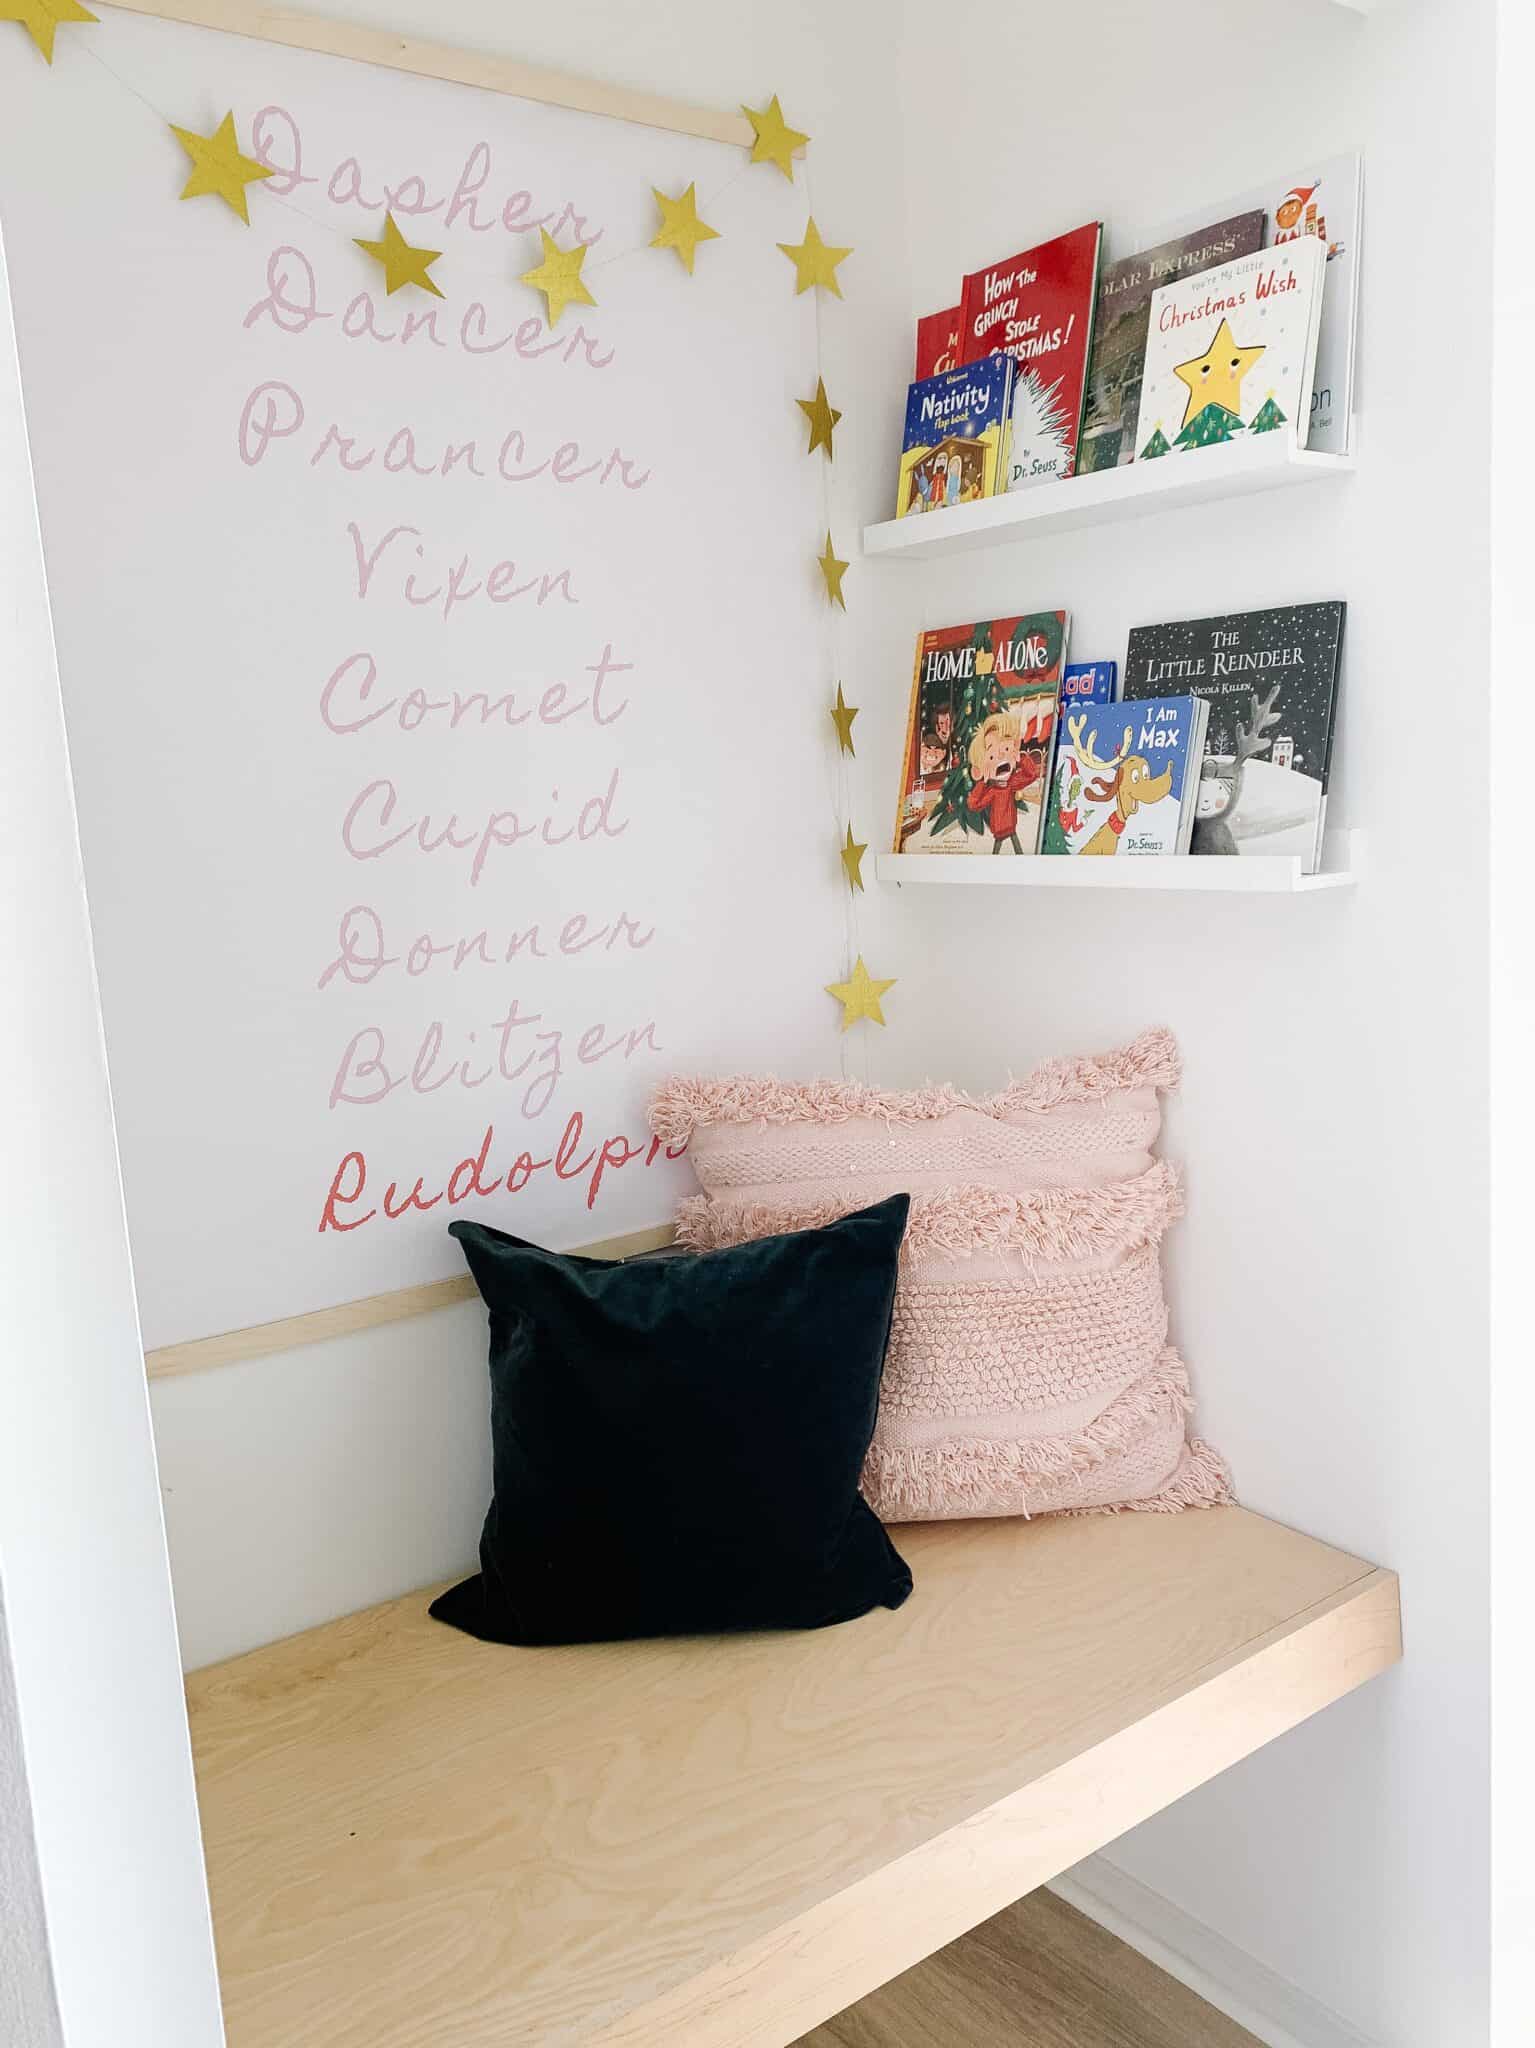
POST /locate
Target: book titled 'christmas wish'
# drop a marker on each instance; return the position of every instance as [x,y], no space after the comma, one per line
[1232,351]
[1038,309]
[984,701]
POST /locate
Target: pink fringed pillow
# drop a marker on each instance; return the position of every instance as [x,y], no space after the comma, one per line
[1029,1370]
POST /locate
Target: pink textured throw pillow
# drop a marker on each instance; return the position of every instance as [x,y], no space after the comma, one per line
[1029,1370]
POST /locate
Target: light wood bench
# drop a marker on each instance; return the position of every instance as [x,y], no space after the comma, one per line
[419,1841]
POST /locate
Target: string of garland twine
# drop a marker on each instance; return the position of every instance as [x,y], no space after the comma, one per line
[416,263]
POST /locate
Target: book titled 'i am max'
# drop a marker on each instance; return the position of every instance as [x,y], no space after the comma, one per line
[1271,681]
[956,437]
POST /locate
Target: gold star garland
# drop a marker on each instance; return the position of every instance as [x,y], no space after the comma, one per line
[221,170]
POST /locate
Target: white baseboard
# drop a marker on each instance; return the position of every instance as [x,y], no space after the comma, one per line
[1224,1975]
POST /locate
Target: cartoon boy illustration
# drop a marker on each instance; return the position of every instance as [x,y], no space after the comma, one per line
[1002,766]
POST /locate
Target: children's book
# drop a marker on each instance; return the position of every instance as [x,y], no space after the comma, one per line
[1089,682]
[937,343]
[1327,203]
[1038,309]
[1271,681]
[1232,351]
[984,702]
[956,437]
[1123,318]
[1126,777]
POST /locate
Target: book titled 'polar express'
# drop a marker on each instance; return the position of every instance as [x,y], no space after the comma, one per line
[1038,309]
[984,702]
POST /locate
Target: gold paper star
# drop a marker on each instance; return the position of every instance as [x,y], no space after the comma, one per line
[822,415]
[776,142]
[833,571]
[843,714]
[815,261]
[1215,378]
[402,264]
[681,229]
[852,855]
[859,995]
[218,169]
[41,17]
[558,277]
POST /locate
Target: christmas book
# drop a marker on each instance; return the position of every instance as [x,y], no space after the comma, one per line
[984,702]
[1123,318]
[1232,351]
[1328,203]
[956,437]
[1089,682]
[1126,777]
[937,343]
[1271,681]
[1038,309]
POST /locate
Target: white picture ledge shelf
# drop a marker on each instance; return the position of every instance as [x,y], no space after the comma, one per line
[1251,874]
[1256,462]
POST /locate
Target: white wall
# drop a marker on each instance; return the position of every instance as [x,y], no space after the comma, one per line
[1513,1032]
[99,1719]
[1328,1284]
[29,2014]
[302,1487]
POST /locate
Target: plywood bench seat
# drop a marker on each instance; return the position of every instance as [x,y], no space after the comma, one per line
[419,1841]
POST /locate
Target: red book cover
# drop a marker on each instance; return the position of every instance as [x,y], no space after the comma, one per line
[1038,309]
[938,343]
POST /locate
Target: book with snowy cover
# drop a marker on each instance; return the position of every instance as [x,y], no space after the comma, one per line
[984,701]
[1271,681]
[1328,203]
[1232,351]
[1038,309]
[1126,777]
[956,437]
[1123,320]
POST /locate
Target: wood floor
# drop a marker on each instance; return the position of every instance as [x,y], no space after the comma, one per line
[1039,1975]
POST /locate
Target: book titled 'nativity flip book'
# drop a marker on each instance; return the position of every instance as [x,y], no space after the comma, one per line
[1038,309]
[984,700]
[1271,681]
[956,437]
[1126,777]
[1233,350]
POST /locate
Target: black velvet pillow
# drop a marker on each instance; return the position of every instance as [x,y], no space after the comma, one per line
[678,1441]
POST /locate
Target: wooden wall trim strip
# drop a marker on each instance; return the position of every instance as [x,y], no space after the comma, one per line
[262,1339]
[442,60]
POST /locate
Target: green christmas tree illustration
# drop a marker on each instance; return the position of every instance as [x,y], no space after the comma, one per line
[1267,417]
[982,692]
[1209,427]
[979,695]
[1157,445]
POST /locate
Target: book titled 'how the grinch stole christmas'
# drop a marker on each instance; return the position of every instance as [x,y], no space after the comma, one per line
[1233,351]
[956,437]
[1038,309]
[984,703]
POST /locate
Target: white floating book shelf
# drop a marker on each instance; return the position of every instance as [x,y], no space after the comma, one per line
[1255,462]
[1247,874]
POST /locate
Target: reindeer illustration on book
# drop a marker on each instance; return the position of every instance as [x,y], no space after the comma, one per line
[1126,782]
[1220,778]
